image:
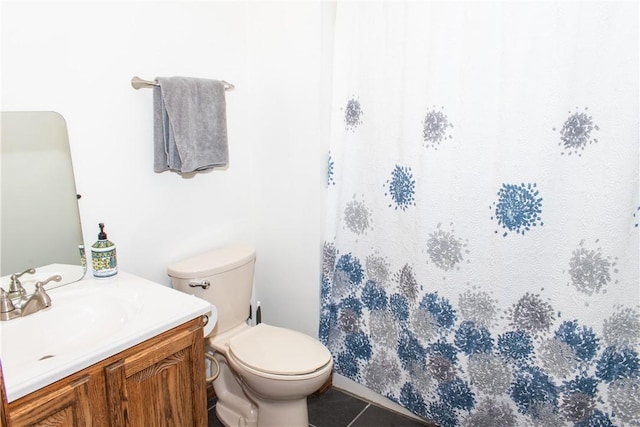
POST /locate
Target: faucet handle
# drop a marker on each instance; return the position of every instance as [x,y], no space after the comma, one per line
[15,288]
[54,278]
[44,300]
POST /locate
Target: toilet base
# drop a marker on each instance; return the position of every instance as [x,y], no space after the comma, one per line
[239,406]
[233,407]
[229,418]
[270,414]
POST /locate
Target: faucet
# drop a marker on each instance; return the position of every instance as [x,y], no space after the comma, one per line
[39,300]
[15,288]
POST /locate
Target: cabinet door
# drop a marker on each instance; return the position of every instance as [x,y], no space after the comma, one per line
[4,406]
[65,405]
[163,384]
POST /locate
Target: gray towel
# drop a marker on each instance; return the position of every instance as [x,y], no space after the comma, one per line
[190,124]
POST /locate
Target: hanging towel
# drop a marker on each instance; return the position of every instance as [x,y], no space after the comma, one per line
[190,124]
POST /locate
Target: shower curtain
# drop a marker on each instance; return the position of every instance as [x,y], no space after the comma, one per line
[480,258]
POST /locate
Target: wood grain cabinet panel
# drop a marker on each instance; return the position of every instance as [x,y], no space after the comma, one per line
[160,382]
[4,406]
[63,405]
[161,385]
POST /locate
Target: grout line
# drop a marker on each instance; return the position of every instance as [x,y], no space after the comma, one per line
[392,411]
[358,416]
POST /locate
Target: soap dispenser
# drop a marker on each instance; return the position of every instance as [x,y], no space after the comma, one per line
[103,256]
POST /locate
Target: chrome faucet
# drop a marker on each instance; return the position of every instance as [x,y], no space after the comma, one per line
[39,300]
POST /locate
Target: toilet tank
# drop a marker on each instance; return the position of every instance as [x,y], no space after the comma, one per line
[229,271]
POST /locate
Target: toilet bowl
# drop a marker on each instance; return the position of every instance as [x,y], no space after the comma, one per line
[265,372]
[277,369]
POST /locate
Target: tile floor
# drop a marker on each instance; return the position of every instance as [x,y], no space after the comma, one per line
[335,408]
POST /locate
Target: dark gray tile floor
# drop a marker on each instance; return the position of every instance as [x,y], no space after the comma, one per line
[335,408]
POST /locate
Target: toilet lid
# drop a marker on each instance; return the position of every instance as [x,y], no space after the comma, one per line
[279,351]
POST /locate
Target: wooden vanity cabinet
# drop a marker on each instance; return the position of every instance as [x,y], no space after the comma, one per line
[159,382]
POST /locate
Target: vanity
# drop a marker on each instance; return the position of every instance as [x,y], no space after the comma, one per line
[122,351]
[116,352]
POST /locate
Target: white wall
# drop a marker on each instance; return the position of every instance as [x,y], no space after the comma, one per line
[77,58]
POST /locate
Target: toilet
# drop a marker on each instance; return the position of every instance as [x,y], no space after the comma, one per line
[265,372]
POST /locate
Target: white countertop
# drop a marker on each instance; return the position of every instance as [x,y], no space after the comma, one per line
[151,309]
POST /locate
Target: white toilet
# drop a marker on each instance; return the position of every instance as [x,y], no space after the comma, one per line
[266,372]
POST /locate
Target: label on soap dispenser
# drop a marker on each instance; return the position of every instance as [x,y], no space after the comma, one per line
[103,259]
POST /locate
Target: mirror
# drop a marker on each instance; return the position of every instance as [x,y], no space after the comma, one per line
[39,215]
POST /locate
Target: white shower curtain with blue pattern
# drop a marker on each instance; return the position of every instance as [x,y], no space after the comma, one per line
[480,260]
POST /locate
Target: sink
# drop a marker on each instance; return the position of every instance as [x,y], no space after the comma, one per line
[78,318]
[89,321]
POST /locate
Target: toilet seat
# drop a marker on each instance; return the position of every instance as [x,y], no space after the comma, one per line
[278,351]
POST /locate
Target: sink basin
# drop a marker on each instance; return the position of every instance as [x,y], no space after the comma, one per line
[77,318]
[89,321]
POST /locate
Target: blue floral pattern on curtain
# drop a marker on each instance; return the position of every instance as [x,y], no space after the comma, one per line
[525,314]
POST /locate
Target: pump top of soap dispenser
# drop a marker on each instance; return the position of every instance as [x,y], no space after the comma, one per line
[102,235]
[102,239]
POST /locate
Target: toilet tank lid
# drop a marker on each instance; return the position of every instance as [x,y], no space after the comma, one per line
[212,262]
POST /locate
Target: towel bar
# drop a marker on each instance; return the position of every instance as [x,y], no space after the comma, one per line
[138,83]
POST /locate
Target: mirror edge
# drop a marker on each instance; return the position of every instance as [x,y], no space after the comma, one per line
[82,266]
